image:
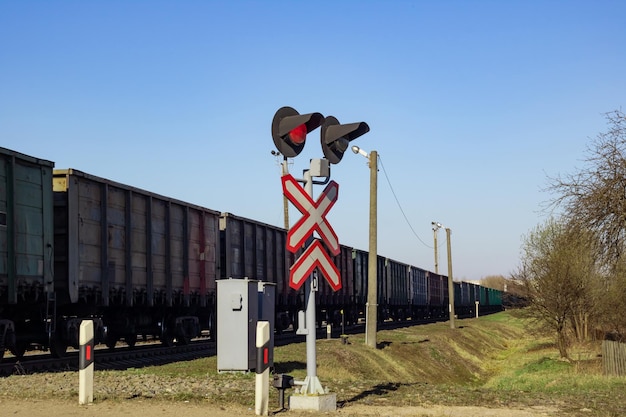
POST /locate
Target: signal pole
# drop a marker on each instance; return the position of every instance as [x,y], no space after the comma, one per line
[285,171]
[312,384]
[289,131]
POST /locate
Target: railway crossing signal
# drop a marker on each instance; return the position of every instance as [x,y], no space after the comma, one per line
[289,129]
[337,137]
[314,215]
[313,220]
[314,257]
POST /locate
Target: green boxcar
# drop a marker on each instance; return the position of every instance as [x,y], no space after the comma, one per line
[26,229]
[26,245]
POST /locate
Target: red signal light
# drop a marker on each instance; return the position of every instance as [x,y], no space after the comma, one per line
[289,130]
[298,134]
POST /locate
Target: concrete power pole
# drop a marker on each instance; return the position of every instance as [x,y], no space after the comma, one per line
[436,227]
[372,272]
[450,283]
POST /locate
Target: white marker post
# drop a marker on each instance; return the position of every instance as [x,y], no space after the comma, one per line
[261,399]
[85,363]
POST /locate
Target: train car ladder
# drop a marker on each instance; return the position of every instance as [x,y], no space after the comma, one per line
[51,313]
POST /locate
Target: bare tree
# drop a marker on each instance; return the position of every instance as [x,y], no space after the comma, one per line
[497,282]
[594,197]
[513,294]
[557,264]
[610,295]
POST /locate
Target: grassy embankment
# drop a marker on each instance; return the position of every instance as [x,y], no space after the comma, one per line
[494,361]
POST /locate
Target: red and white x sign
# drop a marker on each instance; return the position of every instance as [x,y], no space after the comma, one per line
[314,257]
[314,215]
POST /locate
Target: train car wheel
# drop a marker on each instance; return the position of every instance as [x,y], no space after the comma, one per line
[130,339]
[212,327]
[110,341]
[58,347]
[166,336]
[18,350]
[167,340]
[183,340]
[7,340]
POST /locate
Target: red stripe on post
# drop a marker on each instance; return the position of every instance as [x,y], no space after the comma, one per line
[262,358]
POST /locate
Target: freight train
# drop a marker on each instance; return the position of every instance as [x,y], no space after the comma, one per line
[75,246]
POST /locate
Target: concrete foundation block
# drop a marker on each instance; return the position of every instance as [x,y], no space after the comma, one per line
[323,402]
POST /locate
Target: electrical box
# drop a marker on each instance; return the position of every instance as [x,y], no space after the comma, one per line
[237,315]
[241,303]
[267,309]
[320,168]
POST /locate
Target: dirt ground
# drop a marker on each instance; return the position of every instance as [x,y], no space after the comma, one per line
[131,408]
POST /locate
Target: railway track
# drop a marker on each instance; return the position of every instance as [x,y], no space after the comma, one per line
[139,356]
[156,354]
[105,359]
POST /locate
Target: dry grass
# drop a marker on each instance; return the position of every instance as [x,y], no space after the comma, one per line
[491,362]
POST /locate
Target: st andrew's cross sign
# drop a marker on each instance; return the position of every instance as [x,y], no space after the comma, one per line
[313,220]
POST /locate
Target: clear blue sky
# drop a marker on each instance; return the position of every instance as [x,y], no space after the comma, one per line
[471,105]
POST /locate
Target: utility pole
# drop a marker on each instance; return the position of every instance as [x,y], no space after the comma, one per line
[436,227]
[372,271]
[371,306]
[450,282]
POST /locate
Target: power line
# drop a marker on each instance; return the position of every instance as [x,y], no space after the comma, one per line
[399,205]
